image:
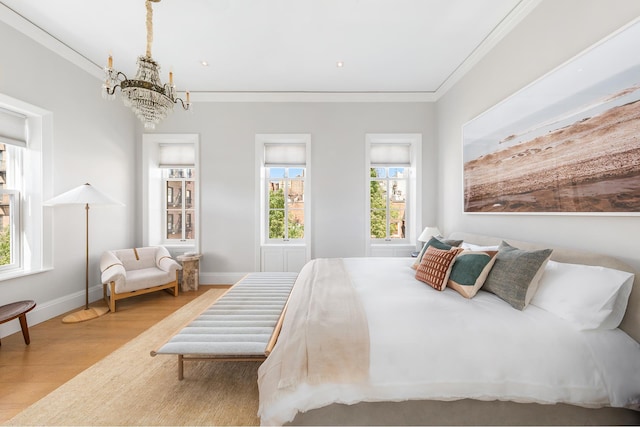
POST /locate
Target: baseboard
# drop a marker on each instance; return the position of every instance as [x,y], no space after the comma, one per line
[50,309]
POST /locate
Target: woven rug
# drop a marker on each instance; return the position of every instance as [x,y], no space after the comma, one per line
[129,387]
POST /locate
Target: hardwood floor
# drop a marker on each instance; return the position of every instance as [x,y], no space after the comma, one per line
[58,351]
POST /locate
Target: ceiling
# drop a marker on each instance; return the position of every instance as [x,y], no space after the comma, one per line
[281,46]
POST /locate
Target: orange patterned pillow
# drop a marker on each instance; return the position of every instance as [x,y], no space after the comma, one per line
[435,267]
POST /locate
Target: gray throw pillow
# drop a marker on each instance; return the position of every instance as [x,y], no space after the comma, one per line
[450,242]
[516,274]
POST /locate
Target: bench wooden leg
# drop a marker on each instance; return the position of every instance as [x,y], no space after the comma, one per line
[180,367]
[25,328]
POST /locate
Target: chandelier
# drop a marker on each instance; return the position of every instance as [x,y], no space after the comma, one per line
[149,99]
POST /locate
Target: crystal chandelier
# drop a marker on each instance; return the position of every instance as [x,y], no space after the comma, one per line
[149,99]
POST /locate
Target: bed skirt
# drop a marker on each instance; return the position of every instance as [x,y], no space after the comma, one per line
[464,412]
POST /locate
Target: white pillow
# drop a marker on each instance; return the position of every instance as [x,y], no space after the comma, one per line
[590,297]
[472,247]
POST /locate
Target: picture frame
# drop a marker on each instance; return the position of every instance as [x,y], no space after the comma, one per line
[569,143]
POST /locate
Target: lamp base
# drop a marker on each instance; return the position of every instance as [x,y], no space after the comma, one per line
[85,314]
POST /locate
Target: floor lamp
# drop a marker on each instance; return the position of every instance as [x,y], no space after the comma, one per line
[84,195]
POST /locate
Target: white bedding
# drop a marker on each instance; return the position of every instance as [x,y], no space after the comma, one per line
[435,345]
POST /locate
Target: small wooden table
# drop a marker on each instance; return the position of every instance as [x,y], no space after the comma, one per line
[18,310]
[190,271]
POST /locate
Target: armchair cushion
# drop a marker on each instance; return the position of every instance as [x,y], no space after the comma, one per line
[137,258]
[165,262]
[112,269]
[146,277]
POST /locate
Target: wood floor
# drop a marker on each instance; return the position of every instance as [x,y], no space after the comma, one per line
[58,351]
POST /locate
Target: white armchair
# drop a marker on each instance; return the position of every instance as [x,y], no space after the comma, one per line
[137,271]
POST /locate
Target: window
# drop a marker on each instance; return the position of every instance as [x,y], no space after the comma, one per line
[170,199]
[283,194]
[284,190]
[25,131]
[392,185]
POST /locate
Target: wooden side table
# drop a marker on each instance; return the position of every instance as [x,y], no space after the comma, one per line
[190,271]
[18,310]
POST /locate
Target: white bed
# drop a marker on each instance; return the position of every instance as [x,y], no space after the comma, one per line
[438,358]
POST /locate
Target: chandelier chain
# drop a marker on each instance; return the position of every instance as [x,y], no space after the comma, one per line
[149,27]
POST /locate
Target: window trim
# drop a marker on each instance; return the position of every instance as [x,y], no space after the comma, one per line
[413,201]
[154,227]
[36,223]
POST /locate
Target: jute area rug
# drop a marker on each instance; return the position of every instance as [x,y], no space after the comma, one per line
[129,387]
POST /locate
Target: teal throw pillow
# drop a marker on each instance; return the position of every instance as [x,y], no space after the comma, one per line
[470,271]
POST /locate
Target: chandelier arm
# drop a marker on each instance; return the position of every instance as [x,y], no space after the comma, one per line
[111,91]
[121,74]
[185,106]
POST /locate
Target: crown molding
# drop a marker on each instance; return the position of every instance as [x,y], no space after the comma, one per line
[312,97]
[28,28]
[517,14]
[521,10]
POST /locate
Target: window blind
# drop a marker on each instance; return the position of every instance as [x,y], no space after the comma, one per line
[285,155]
[13,128]
[385,154]
[177,156]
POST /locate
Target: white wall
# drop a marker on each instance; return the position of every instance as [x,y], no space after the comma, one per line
[227,140]
[97,141]
[550,35]
[93,141]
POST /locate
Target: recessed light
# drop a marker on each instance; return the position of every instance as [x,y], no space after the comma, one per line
[339,64]
[204,63]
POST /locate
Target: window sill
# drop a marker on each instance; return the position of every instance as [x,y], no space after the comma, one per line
[274,244]
[16,274]
[384,244]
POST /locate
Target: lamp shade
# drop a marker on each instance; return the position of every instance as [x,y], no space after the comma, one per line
[81,195]
[428,233]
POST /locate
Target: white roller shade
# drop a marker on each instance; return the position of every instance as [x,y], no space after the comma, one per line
[13,128]
[390,154]
[285,155]
[177,156]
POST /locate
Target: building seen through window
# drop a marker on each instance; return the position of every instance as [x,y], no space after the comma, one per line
[5,211]
[10,164]
[179,203]
[286,202]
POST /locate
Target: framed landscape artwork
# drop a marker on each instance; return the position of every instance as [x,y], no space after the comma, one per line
[567,143]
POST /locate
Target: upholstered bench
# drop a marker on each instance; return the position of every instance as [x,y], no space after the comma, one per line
[242,325]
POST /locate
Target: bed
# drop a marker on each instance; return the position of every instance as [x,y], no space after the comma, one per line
[365,343]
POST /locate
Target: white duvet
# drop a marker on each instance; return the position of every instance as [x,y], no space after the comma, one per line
[426,344]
